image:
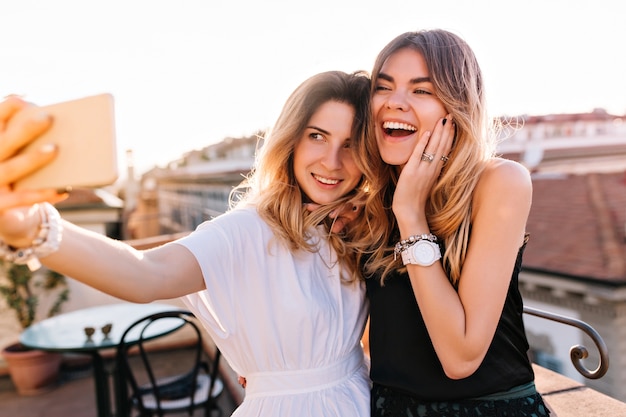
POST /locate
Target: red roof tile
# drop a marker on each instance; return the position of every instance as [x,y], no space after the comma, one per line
[577,225]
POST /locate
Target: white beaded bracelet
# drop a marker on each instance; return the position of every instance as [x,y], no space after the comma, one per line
[46,242]
[410,241]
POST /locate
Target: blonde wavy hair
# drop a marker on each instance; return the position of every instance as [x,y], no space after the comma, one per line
[272,187]
[458,83]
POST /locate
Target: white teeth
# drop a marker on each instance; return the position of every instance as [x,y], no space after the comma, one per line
[325,180]
[398,125]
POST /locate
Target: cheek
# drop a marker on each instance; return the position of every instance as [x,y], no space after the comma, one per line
[354,173]
[299,165]
[376,102]
[299,156]
[428,120]
[434,112]
[375,105]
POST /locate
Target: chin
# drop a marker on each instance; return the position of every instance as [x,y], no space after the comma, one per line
[394,154]
[393,157]
[325,199]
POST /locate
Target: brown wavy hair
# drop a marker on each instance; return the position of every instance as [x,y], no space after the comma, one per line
[458,83]
[272,185]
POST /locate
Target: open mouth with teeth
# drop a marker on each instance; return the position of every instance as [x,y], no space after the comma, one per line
[397,129]
[324,180]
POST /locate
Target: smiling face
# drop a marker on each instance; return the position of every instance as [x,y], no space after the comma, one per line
[323,162]
[404,105]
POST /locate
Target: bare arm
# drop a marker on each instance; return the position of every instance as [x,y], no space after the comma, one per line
[168,271]
[112,266]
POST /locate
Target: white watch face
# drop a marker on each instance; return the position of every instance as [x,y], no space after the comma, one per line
[424,252]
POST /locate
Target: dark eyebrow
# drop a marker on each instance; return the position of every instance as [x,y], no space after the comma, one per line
[318,129]
[417,80]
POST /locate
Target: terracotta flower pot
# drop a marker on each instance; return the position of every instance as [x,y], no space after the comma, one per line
[32,371]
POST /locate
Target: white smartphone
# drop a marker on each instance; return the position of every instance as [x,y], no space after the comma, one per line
[84,131]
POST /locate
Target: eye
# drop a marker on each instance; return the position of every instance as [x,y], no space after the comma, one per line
[381,88]
[421,91]
[316,136]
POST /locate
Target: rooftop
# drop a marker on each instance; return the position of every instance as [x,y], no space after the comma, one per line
[577,225]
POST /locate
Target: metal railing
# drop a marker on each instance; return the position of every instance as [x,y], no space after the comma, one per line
[578,352]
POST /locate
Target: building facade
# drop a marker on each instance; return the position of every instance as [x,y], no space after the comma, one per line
[192,189]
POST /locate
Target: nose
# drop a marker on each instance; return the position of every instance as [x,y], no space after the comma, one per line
[331,159]
[397,101]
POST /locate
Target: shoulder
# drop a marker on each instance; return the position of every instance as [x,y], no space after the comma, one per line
[504,179]
[231,229]
[501,172]
[507,167]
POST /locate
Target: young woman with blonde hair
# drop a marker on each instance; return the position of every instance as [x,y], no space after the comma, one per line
[446,331]
[277,290]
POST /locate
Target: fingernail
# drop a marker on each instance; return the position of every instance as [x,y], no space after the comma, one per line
[48,148]
[443,122]
[41,115]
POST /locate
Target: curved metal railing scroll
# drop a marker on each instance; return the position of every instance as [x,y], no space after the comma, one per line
[578,352]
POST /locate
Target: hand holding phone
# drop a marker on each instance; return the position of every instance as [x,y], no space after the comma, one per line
[84,132]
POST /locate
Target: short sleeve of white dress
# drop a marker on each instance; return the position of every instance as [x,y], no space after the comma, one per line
[223,247]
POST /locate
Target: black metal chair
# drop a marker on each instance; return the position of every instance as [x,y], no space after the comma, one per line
[153,393]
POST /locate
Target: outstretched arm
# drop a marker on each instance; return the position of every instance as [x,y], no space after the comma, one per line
[168,271]
[111,266]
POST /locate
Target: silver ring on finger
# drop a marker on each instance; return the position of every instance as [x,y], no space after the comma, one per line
[428,157]
[444,159]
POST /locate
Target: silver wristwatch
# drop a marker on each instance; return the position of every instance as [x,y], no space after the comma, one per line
[423,252]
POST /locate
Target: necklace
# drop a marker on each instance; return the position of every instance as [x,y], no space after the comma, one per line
[325,244]
[331,263]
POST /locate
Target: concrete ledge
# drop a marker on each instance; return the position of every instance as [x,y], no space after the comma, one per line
[568,398]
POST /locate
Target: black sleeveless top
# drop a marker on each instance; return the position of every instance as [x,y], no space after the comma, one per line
[403,358]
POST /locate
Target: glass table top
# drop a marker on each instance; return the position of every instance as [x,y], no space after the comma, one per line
[66,332]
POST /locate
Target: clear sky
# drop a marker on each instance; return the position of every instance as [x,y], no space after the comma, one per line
[188,73]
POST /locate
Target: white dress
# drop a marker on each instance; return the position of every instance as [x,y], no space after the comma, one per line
[284,321]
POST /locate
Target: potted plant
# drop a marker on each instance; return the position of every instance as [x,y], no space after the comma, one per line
[32,371]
